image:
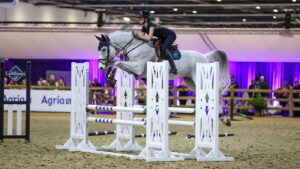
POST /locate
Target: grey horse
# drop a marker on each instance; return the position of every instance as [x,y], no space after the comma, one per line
[136,54]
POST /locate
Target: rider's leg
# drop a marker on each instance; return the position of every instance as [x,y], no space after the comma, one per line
[167,54]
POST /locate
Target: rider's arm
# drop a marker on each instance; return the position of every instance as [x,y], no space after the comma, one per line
[147,37]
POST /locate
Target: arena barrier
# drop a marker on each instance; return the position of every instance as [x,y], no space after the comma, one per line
[15,105]
[156,121]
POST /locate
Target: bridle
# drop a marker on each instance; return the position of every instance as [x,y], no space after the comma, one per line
[107,61]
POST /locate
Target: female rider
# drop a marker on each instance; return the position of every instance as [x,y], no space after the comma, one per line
[166,36]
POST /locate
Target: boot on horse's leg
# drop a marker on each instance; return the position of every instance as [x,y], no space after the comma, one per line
[111,77]
[168,56]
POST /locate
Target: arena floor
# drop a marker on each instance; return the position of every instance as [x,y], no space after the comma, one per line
[260,143]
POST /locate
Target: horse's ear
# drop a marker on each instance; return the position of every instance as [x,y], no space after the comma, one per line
[98,38]
[103,38]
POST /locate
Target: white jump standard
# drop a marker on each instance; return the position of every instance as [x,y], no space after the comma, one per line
[157,114]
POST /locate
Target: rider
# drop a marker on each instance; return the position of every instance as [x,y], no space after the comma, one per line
[166,36]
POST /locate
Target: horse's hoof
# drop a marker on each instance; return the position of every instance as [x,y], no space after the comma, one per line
[174,71]
[112,83]
[227,122]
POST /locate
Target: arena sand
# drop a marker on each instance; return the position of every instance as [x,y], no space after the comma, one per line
[266,142]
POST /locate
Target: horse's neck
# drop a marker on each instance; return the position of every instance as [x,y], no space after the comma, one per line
[121,39]
[134,47]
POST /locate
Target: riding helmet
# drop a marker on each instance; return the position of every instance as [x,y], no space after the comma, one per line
[143,13]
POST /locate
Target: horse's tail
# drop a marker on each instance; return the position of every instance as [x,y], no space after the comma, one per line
[221,57]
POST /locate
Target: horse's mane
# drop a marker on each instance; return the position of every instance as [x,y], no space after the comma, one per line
[126,28]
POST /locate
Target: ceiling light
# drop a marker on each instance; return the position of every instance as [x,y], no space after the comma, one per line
[126,19]
[194,11]
[175,9]
[152,11]
[274,17]
[244,20]
[257,7]
[294,0]
[219,0]
[275,10]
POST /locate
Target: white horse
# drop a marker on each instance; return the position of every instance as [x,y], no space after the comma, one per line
[138,52]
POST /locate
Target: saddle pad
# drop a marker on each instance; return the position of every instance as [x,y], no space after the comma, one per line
[176,55]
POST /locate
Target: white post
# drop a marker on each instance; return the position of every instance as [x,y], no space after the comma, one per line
[10,119]
[207,114]
[125,134]
[19,120]
[157,127]
[80,91]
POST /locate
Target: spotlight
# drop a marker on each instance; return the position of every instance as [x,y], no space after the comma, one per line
[126,19]
[275,10]
[152,11]
[244,20]
[274,17]
[257,7]
[194,11]
[175,9]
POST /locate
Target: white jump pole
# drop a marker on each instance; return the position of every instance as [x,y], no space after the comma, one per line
[171,122]
[14,119]
[10,120]
[115,121]
[181,110]
[117,108]
[19,120]
[137,109]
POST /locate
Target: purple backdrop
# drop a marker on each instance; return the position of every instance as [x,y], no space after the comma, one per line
[275,73]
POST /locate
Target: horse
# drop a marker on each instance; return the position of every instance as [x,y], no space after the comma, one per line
[136,54]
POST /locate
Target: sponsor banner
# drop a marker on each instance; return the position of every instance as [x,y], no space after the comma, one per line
[41,100]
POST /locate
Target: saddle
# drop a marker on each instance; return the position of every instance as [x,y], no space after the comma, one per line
[157,45]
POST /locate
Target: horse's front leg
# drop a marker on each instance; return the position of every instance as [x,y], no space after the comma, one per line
[110,77]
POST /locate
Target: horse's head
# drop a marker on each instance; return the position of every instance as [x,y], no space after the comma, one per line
[110,46]
[106,52]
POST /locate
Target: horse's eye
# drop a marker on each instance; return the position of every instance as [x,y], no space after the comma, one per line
[103,49]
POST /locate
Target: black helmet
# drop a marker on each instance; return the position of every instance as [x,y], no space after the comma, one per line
[144,13]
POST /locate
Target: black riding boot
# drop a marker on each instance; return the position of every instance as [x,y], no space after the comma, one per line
[168,56]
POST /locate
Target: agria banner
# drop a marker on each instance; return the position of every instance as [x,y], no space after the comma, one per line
[42,100]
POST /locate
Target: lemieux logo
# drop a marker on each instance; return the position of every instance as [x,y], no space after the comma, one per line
[15,74]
